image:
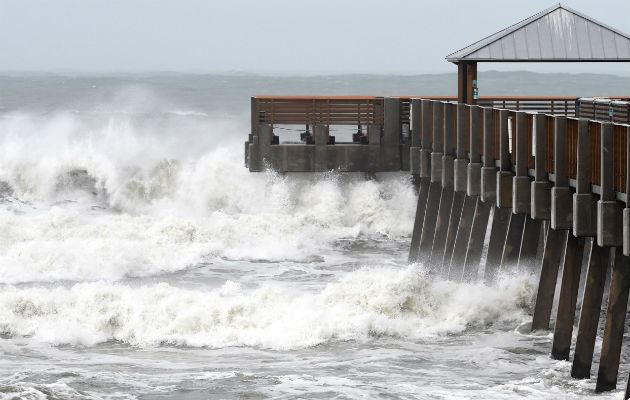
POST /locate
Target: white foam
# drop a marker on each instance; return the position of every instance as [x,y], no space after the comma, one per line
[363,304]
[164,202]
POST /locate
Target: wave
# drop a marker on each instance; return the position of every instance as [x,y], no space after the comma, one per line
[87,198]
[367,303]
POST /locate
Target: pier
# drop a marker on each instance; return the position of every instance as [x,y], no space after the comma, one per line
[542,183]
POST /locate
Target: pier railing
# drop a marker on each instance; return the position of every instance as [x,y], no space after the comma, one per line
[369,110]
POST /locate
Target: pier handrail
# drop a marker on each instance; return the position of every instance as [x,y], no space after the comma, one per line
[368,110]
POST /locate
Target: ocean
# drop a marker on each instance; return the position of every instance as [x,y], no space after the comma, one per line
[140,259]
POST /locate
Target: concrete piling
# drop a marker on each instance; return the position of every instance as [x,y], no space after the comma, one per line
[500,222]
[590,312]
[568,297]
[529,244]
[435,187]
[513,240]
[460,185]
[462,237]
[615,321]
[447,181]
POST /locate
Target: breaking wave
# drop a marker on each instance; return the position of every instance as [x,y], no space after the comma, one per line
[364,304]
[91,197]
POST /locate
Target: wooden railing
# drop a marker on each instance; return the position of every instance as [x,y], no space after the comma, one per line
[313,110]
[613,109]
[619,132]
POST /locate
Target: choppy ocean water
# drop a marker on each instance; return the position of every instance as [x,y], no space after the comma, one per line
[140,259]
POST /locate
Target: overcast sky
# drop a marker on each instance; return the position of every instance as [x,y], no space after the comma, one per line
[268,36]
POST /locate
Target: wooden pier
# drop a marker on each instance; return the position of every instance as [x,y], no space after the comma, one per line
[542,182]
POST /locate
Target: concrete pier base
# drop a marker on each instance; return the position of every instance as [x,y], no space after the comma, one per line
[489,184]
[475,243]
[548,277]
[500,222]
[609,223]
[568,297]
[423,194]
[521,195]
[615,321]
[561,208]
[513,240]
[462,238]
[584,215]
[504,189]
[460,174]
[590,312]
[474,179]
[541,200]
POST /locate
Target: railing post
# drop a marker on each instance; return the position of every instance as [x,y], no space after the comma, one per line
[489,169]
[609,211]
[474,166]
[521,187]
[416,138]
[541,187]
[561,196]
[392,131]
[425,152]
[584,205]
[504,175]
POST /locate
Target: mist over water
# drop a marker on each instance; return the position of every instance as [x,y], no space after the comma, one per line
[140,259]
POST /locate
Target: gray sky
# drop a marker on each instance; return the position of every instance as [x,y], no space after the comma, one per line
[268,36]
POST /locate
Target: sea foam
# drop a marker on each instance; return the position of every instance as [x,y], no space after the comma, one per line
[367,303]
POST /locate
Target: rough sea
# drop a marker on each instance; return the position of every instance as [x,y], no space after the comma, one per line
[139,259]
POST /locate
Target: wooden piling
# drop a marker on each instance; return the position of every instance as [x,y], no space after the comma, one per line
[590,312]
[615,321]
[568,297]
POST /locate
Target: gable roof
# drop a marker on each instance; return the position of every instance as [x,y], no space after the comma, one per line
[555,34]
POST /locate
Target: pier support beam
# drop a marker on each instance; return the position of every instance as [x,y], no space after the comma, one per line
[590,312]
[513,240]
[529,244]
[568,298]
[423,194]
[462,238]
[500,222]
[615,321]
[475,243]
[554,243]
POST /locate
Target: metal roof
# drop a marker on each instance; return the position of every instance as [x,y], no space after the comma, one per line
[556,34]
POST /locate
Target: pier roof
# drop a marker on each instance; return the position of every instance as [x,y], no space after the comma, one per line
[556,34]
